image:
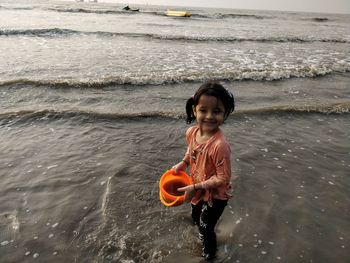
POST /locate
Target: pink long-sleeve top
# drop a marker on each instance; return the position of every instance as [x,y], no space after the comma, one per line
[210,165]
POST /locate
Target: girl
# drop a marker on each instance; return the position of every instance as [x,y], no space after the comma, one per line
[208,155]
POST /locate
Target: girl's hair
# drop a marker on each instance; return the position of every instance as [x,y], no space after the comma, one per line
[215,89]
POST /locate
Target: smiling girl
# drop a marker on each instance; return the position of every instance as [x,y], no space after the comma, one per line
[208,156]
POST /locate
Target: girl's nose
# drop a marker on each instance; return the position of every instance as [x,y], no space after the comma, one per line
[210,115]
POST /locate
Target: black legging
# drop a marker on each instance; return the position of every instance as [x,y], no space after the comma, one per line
[206,217]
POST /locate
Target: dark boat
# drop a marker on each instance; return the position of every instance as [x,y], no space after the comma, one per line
[128,8]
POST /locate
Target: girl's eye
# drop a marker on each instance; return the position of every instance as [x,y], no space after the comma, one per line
[201,110]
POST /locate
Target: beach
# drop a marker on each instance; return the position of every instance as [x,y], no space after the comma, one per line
[92,113]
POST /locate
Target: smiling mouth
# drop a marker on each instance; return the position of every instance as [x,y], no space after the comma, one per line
[210,122]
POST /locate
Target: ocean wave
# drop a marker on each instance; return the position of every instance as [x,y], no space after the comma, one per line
[53,32]
[334,108]
[229,15]
[24,115]
[153,79]
[57,114]
[320,19]
[16,8]
[44,32]
[88,11]
[279,39]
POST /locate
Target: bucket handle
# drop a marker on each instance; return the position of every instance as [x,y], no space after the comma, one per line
[165,203]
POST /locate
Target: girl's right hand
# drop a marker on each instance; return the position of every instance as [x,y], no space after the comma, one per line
[189,192]
[181,166]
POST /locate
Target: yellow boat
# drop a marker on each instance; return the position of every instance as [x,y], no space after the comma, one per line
[178,13]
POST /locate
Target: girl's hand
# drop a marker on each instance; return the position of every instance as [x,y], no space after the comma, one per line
[189,192]
[181,166]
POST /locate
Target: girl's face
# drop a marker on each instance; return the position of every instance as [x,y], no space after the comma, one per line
[209,114]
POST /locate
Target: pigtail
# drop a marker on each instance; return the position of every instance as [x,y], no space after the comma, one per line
[189,110]
[231,101]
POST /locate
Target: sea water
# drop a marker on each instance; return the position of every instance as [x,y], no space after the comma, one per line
[92,114]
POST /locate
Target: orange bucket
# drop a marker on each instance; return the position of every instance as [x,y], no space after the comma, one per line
[168,185]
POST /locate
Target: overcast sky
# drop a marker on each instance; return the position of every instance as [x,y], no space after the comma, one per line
[324,6]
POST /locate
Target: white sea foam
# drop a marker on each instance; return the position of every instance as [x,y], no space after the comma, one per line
[4,243]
